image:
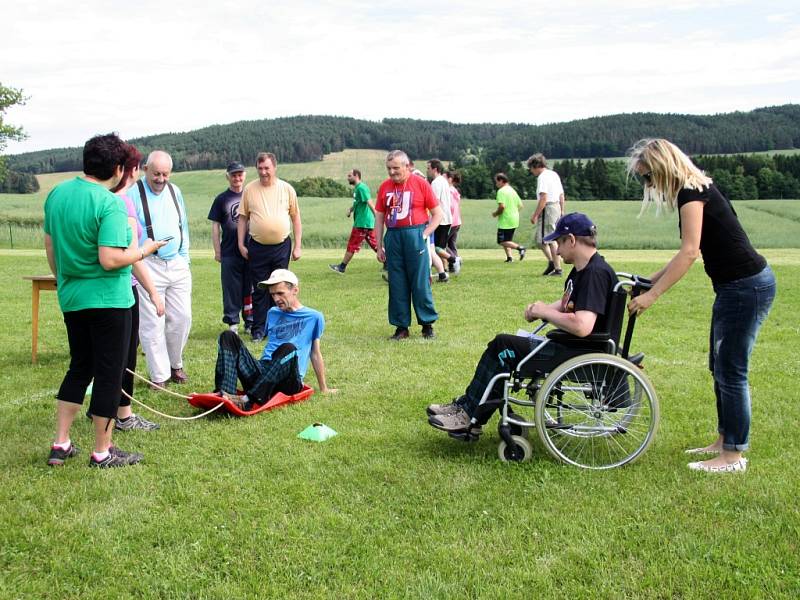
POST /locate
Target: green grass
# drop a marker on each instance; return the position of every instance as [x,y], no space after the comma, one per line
[240,508]
[769,223]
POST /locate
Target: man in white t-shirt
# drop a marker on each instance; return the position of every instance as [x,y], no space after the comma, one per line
[550,194]
[441,189]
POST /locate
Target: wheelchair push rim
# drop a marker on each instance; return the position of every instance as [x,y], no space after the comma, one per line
[596,411]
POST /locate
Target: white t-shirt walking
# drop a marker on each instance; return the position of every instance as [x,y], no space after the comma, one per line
[549,183]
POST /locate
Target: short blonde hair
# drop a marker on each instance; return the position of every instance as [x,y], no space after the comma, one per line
[670,171]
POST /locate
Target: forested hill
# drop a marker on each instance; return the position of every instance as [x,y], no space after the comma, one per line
[307,138]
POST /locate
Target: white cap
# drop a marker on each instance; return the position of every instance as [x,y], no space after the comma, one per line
[279,276]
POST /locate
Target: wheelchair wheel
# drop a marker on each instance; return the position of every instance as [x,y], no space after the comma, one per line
[596,411]
[519,452]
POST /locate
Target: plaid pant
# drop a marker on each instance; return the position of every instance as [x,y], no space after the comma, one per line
[261,379]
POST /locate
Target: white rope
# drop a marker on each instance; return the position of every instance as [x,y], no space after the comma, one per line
[150,408]
[166,416]
[155,385]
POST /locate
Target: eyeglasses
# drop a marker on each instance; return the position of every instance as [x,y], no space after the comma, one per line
[644,178]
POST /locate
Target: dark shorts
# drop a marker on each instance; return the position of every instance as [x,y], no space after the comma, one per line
[440,236]
[505,235]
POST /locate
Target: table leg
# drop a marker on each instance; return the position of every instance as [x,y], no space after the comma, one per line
[35,321]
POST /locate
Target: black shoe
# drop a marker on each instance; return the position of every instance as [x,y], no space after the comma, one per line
[550,268]
[427,331]
[509,259]
[443,277]
[58,456]
[257,337]
[116,458]
[522,250]
[400,333]
[337,269]
[556,273]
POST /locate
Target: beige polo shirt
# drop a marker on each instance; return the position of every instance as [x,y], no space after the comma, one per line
[269,209]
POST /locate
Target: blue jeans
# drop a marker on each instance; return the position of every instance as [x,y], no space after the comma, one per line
[740,308]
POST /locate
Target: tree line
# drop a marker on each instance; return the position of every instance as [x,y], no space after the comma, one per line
[739,177]
[308,138]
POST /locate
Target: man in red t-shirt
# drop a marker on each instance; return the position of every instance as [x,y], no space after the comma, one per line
[402,206]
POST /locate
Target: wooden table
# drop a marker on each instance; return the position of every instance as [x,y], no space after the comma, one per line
[39,283]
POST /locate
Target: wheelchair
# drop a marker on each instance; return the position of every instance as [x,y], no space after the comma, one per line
[595,410]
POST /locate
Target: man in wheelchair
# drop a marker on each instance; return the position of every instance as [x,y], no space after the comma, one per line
[580,311]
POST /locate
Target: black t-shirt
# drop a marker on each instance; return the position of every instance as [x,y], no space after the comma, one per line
[225,211]
[590,289]
[726,249]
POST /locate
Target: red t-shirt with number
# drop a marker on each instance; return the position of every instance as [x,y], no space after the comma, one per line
[405,204]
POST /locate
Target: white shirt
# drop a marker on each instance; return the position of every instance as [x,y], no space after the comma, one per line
[549,183]
[441,189]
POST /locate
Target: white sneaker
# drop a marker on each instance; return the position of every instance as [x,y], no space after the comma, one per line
[457,265]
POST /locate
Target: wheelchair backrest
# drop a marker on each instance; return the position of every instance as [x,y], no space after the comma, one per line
[615,313]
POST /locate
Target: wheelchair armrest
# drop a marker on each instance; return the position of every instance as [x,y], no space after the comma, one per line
[563,337]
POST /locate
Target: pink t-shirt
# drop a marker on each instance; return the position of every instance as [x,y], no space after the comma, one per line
[405,204]
[455,206]
[132,213]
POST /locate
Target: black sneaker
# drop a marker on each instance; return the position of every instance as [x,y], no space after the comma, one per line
[509,259]
[427,331]
[400,333]
[58,456]
[556,273]
[522,250]
[550,268]
[337,269]
[116,458]
[443,277]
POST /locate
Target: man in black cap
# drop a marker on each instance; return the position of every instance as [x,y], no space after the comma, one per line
[236,285]
[580,311]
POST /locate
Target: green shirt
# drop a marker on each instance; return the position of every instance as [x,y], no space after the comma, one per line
[80,216]
[362,213]
[509,218]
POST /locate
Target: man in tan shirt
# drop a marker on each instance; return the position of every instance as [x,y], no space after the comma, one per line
[270,211]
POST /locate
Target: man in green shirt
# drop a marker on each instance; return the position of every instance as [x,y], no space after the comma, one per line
[363,211]
[508,206]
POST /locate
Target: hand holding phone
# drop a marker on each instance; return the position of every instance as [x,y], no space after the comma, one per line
[169,238]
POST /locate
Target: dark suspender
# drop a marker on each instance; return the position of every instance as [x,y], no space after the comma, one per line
[148,222]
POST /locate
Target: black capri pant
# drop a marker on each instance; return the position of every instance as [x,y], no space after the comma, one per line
[98,347]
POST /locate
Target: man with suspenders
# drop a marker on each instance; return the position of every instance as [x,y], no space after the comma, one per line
[162,213]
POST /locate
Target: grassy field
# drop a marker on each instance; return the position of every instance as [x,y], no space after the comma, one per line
[390,508]
[770,223]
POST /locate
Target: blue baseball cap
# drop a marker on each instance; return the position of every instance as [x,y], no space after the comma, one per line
[235,167]
[574,223]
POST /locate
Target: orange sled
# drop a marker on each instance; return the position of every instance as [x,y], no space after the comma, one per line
[209,401]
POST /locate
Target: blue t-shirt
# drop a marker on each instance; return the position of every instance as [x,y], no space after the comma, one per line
[300,328]
[166,220]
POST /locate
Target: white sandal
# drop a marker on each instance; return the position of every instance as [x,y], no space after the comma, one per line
[740,466]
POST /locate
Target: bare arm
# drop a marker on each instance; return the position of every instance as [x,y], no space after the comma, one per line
[578,323]
[297,230]
[499,210]
[562,201]
[539,207]
[381,253]
[142,274]
[241,234]
[48,249]
[319,368]
[216,240]
[436,218]
[679,265]
[112,257]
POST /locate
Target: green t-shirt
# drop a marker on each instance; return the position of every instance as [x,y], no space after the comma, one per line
[509,218]
[362,213]
[80,216]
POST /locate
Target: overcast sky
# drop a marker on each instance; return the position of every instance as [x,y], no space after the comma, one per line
[92,66]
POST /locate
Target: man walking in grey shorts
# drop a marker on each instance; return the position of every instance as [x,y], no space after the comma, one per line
[550,194]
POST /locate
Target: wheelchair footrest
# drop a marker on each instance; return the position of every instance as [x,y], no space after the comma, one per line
[472,434]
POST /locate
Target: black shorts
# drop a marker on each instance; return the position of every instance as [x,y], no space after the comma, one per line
[505,235]
[440,236]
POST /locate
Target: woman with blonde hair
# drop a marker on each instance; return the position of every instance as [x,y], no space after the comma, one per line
[743,283]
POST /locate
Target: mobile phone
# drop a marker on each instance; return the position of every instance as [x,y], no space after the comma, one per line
[167,239]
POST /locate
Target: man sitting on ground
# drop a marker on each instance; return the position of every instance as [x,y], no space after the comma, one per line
[293,333]
[580,311]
